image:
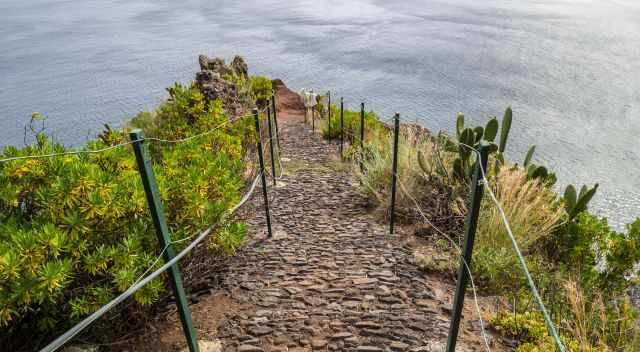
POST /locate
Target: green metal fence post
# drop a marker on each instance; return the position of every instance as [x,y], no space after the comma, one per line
[145,168]
[313,119]
[275,118]
[394,176]
[362,137]
[341,127]
[262,173]
[273,160]
[329,116]
[477,187]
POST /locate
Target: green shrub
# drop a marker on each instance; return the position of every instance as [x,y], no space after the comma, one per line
[261,90]
[374,129]
[560,240]
[530,328]
[580,246]
[75,230]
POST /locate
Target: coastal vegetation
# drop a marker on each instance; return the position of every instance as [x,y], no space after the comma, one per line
[75,229]
[581,266]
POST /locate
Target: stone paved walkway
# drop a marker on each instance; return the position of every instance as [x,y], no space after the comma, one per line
[332,278]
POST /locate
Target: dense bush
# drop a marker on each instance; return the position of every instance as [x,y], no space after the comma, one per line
[374,129]
[75,230]
[261,90]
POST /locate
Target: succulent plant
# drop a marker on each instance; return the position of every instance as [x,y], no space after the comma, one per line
[529,156]
[536,171]
[504,131]
[469,138]
[577,203]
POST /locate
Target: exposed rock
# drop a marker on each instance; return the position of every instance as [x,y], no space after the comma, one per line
[288,100]
[249,348]
[239,67]
[318,343]
[203,60]
[213,85]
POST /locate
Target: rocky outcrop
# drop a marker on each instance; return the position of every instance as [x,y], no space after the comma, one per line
[239,67]
[212,82]
[288,101]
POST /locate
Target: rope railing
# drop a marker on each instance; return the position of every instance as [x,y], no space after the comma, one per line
[142,156]
[102,150]
[457,247]
[421,211]
[532,285]
[141,282]
[342,133]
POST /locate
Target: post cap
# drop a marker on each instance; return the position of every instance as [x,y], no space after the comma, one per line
[136,134]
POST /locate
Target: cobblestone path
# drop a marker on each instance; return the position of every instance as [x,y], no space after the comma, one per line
[331,278]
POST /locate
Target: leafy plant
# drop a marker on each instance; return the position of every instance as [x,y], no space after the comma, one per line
[468,140]
[261,90]
[529,327]
[536,171]
[577,203]
[374,128]
[75,230]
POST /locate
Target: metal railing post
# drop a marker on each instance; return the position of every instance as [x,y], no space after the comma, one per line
[262,173]
[273,162]
[275,117]
[329,116]
[477,187]
[362,137]
[394,176]
[313,119]
[145,168]
[342,127]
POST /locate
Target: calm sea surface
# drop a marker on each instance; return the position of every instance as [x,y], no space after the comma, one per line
[570,69]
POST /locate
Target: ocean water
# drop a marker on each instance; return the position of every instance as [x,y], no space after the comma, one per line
[569,68]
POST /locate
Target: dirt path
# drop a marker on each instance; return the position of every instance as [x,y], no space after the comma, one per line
[331,279]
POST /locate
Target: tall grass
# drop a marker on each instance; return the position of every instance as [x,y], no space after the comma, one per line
[429,177]
[529,205]
[597,326]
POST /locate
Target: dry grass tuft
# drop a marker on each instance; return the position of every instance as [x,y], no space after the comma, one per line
[529,205]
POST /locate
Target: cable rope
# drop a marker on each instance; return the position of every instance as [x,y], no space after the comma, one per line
[442,233]
[96,151]
[457,247]
[64,338]
[170,244]
[532,285]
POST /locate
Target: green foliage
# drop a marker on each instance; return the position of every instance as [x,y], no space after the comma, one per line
[581,244]
[374,129]
[75,230]
[497,270]
[504,131]
[577,203]
[561,242]
[261,89]
[530,328]
[469,139]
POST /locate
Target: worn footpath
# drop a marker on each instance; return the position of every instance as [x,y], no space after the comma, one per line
[332,278]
